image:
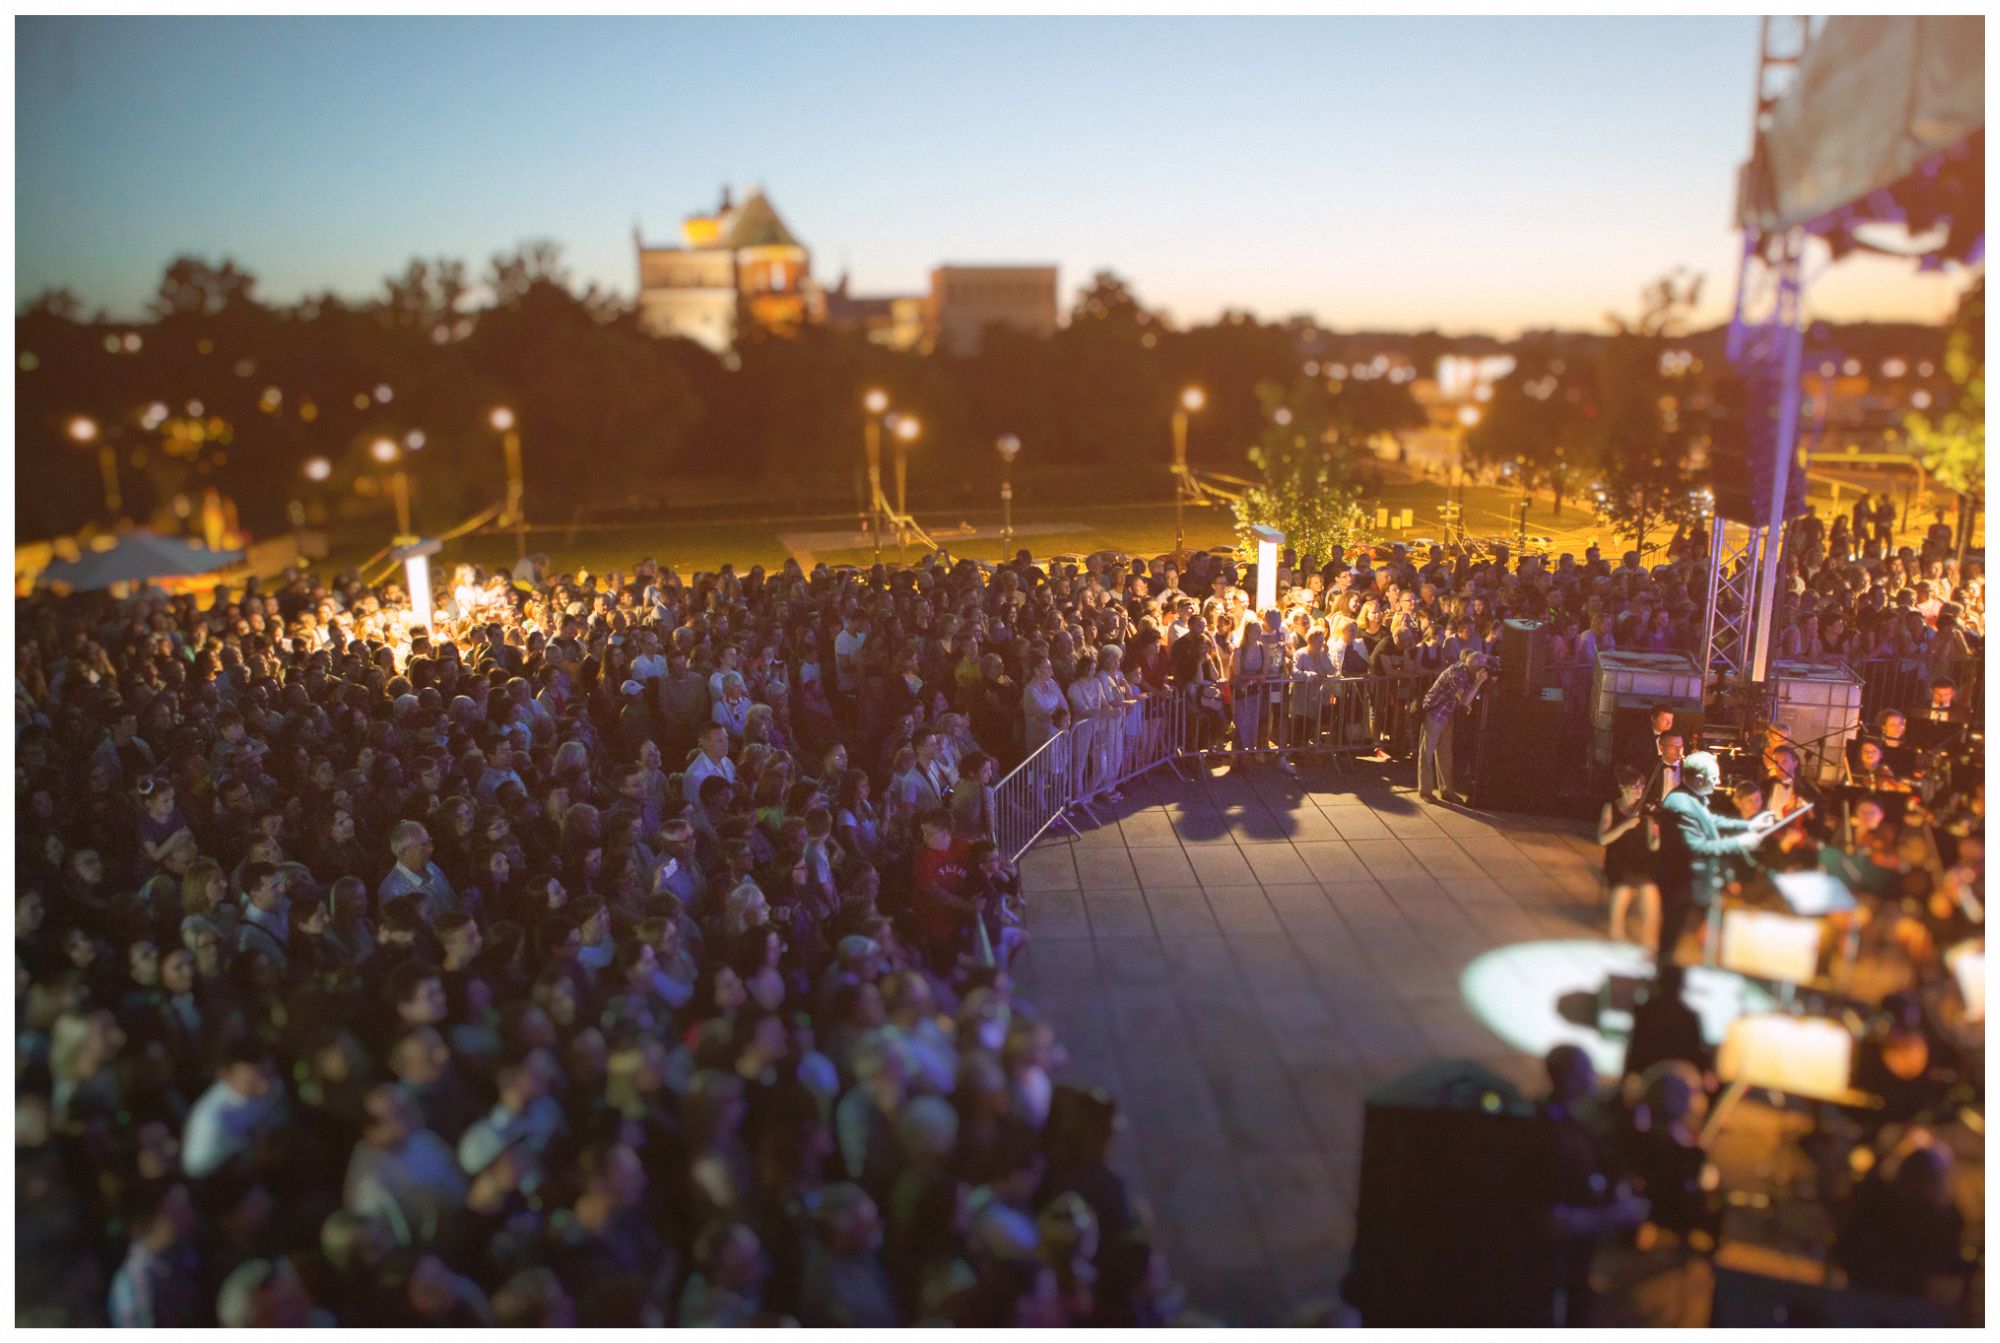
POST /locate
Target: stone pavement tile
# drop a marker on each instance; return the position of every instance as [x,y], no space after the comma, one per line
[1453,1032]
[1231,1039]
[1385,1036]
[1201,824]
[1221,865]
[1502,921]
[1358,823]
[1259,1111]
[1467,890]
[1140,962]
[1294,1197]
[1147,829]
[1341,797]
[1492,851]
[1099,868]
[1198,962]
[1333,1096]
[1117,913]
[1270,963]
[1054,915]
[1310,825]
[1276,864]
[1048,868]
[1330,860]
[1243,910]
[1105,838]
[1364,904]
[1387,858]
[1442,858]
[1054,973]
[1181,911]
[1303,909]
[1398,953]
[1409,820]
[1317,1043]
[1144,1016]
[1163,866]
[1258,824]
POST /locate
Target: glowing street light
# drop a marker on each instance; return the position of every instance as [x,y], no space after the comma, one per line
[503,422]
[906,429]
[386,451]
[83,431]
[876,402]
[1009,447]
[318,469]
[1192,399]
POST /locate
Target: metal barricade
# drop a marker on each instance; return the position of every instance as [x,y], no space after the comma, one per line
[1905,683]
[1035,795]
[1315,714]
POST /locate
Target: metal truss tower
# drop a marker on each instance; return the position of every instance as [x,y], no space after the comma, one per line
[1766,342]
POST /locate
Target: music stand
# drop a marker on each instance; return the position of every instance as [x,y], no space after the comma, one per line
[1761,944]
[1808,1057]
[1815,895]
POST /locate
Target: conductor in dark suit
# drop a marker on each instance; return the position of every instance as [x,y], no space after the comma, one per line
[1694,841]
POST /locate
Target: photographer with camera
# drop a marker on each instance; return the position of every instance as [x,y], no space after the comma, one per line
[1453,692]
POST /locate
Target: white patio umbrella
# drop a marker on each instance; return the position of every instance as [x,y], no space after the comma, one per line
[137,557]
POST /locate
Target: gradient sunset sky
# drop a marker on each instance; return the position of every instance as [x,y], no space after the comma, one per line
[1466,174]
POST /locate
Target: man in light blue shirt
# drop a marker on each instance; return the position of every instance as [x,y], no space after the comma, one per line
[415,873]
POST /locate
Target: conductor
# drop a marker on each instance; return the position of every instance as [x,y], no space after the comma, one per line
[1693,843]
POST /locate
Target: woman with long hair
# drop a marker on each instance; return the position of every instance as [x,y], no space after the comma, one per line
[1630,838]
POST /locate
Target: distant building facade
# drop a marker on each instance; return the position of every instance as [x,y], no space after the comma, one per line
[893,320]
[965,300]
[737,269]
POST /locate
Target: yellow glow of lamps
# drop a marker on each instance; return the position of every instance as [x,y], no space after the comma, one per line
[384,450]
[82,429]
[318,468]
[1008,446]
[501,418]
[1468,416]
[907,428]
[876,401]
[1193,399]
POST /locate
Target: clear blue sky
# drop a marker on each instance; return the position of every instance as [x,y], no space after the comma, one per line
[1467,174]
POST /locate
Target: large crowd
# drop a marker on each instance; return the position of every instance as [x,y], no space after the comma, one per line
[623,950]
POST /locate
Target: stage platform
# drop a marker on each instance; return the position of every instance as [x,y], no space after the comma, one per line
[1241,958]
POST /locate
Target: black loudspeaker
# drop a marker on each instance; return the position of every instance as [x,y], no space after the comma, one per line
[1524,657]
[1450,1229]
[1752,1301]
[1519,762]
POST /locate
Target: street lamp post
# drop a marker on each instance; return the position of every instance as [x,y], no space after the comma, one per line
[1009,448]
[83,431]
[502,419]
[907,430]
[1192,399]
[387,451]
[875,402]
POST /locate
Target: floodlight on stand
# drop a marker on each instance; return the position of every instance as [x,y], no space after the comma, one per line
[416,560]
[1269,541]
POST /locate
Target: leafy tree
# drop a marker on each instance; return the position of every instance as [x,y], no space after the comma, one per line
[1536,420]
[1640,434]
[1368,408]
[1309,476]
[1952,441]
[192,288]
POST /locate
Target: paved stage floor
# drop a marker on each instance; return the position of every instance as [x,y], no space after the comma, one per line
[1241,958]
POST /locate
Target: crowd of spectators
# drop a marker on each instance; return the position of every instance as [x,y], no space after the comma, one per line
[626,950]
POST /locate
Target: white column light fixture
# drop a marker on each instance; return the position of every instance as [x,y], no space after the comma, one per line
[1269,542]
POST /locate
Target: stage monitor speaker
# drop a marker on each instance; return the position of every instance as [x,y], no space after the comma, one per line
[1524,657]
[1520,765]
[1449,1229]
